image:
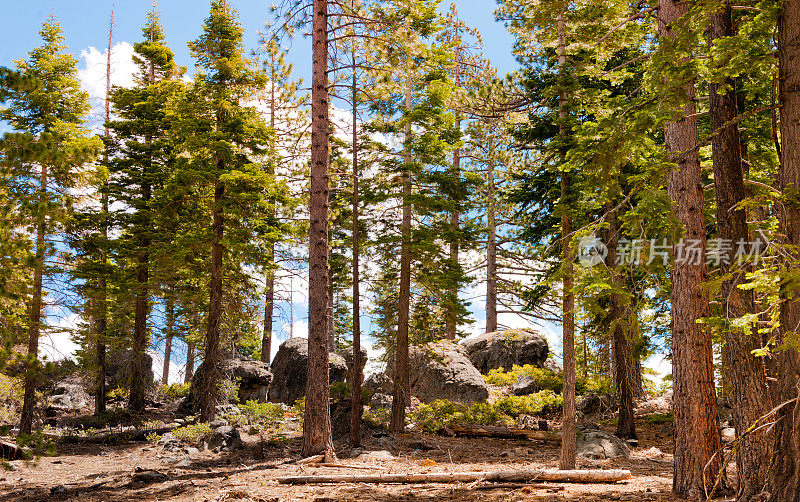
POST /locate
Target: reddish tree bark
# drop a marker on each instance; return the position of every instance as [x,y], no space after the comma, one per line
[697,437]
[401,397]
[747,389]
[317,436]
[784,483]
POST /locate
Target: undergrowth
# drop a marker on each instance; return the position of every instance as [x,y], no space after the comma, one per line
[444,413]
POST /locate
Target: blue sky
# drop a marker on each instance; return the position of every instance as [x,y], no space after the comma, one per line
[85,24]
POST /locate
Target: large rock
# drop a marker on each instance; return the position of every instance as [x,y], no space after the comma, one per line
[598,444]
[442,370]
[118,369]
[289,368]
[380,383]
[68,396]
[504,349]
[253,379]
[347,354]
[525,385]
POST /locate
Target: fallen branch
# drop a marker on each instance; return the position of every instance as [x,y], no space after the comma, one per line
[489,431]
[316,459]
[345,466]
[523,476]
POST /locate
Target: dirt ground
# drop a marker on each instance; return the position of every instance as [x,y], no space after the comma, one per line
[104,473]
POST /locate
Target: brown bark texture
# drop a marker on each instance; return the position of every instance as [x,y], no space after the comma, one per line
[698,445]
[784,483]
[317,436]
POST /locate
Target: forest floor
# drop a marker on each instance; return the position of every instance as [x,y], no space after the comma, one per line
[91,472]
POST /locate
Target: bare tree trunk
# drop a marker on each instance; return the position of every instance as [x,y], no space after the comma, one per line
[317,436]
[697,438]
[745,372]
[785,469]
[622,335]
[189,373]
[34,326]
[451,321]
[170,307]
[269,305]
[569,424]
[491,255]
[356,373]
[136,401]
[101,325]
[269,295]
[209,391]
[401,397]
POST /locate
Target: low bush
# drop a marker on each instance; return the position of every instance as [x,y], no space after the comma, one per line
[174,391]
[443,413]
[597,384]
[546,378]
[191,434]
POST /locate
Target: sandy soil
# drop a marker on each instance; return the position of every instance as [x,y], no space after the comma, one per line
[104,473]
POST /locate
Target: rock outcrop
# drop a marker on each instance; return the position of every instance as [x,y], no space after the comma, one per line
[504,349]
[289,368]
[442,370]
[252,377]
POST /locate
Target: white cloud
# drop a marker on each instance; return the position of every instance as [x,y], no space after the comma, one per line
[176,372]
[60,345]
[93,74]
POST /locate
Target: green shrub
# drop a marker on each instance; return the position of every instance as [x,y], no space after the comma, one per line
[11,392]
[229,389]
[299,408]
[597,384]
[377,417]
[339,391]
[174,391]
[118,393]
[444,413]
[268,414]
[532,404]
[546,378]
[659,418]
[193,433]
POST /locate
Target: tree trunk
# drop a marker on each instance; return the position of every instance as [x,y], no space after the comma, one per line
[170,307]
[620,314]
[356,373]
[269,306]
[697,438]
[209,386]
[139,369]
[317,436]
[401,397]
[269,295]
[34,326]
[451,316]
[569,424]
[189,373]
[491,255]
[101,326]
[785,469]
[745,372]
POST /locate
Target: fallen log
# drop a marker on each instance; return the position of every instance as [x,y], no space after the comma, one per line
[110,437]
[521,476]
[10,451]
[489,431]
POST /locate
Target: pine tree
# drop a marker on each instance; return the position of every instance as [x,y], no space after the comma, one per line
[48,144]
[223,138]
[139,169]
